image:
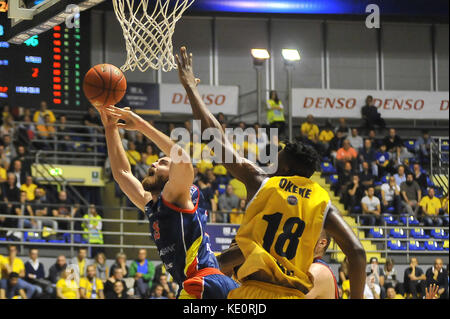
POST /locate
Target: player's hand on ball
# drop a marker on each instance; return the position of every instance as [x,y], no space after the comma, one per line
[130,118]
[107,120]
[185,69]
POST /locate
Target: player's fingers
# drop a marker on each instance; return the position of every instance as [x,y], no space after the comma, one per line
[177,58]
[190,59]
[197,81]
[185,57]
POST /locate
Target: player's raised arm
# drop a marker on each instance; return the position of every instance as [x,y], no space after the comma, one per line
[181,174]
[346,239]
[242,169]
[120,166]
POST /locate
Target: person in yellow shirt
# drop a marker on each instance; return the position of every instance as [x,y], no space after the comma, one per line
[46,130]
[238,188]
[81,262]
[310,130]
[2,264]
[67,286]
[91,287]
[392,294]
[12,263]
[3,174]
[275,113]
[29,187]
[430,209]
[151,156]
[133,156]
[39,116]
[238,213]
[326,135]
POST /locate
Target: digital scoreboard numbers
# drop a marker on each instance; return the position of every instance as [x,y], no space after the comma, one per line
[46,67]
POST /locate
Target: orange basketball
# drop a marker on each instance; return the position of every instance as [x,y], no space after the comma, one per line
[104,84]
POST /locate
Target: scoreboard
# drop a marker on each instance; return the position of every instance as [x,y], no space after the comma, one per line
[47,67]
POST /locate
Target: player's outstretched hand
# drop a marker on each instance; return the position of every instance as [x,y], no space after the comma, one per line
[107,120]
[185,69]
[131,119]
[432,291]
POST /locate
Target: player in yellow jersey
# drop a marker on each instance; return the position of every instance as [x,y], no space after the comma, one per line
[284,218]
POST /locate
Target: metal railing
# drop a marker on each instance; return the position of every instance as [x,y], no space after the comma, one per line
[439,162]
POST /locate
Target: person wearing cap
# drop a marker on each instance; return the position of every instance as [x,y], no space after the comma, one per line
[374,269]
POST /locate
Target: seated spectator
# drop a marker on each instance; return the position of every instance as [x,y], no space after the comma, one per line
[55,271]
[18,171]
[9,149]
[11,288]
[366,177]
[152,157]
[411,195]
[430,206]
[344,179]
[355,140]
[423,147]
[14,264]
[390,196]
[119,291]
[65,135]
[374,269]
[391,293]
[11,192]
[227,202]
[343,128]
[110,284]
[158,292]
[39,115]
[326,136]
[394,145]
[383,161]
[2,172]
[376,142]
[121,262]
[40,204]
[355,193]
[167,287]
[91,287]
[24,157]
[29,188]
[133,156]
[142,270]
[343,271]
[261,137]
[370,115]
[92,226]
[371,289]
[335,144]
[101,268]
[445,209]
[80,262]
[35,273]
[8,127]
[414,280]
[371,208]
[368,154]
[419,177]
[46,132]
[400,176]
[23,208]
[26,131]
[391,277]
[64,209]
[310,129]
[141,143]
[67,286]
[437,275]
[346,154]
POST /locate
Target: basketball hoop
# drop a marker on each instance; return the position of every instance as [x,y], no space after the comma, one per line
[148,35]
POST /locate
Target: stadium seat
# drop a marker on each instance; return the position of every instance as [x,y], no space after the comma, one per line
[396,245]
[416,245]
[429,182]
[444,146]
[384,179]
[445,245]
[410,145]
[397,233]
[433,246]
[411,220]
[327,168]
[2,239]
[439,233]
[57,241]
[419,233]
[376,232]
[334,178]
[36,240]
[390,220]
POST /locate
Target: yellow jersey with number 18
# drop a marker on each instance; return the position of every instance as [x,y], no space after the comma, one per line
[280,229]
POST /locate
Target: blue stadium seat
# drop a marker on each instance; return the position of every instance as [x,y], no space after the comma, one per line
[384,179]
[429,182]
[410,145]
[376,232]
[334,178]
[411,219]
[327,168]
[433,246]
[2,239]
[444,146]
[445,245]
[397,233]
[390,220]
[416,245]
[377,183]
[439,233]
[418,233]
[57,241]
[35,240]
[396,245]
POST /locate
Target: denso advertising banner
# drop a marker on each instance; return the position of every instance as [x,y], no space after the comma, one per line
[390,104]
[173,99]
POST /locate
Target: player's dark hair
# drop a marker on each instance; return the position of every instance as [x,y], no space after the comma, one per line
[303,159]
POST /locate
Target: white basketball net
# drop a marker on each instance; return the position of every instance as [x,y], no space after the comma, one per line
[148,35]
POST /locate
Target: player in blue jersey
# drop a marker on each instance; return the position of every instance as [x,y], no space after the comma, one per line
[171,203]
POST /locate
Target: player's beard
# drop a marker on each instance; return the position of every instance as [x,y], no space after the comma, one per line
[155,186]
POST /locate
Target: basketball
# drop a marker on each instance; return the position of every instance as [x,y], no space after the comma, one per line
[104,84]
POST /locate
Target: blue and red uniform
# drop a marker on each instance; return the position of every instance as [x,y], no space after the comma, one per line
[319,260]
[185,250]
